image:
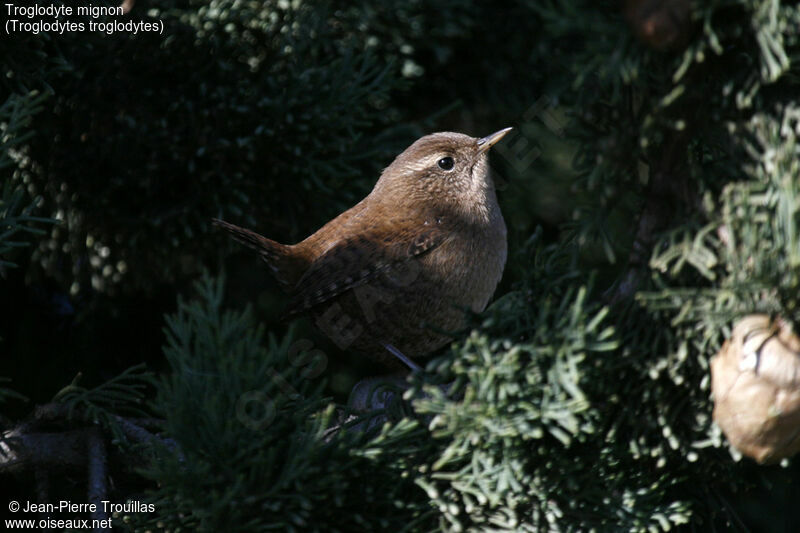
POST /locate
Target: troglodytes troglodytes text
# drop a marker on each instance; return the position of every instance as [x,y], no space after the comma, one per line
[391,276]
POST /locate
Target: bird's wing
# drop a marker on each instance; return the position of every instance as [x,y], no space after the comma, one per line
[357,259]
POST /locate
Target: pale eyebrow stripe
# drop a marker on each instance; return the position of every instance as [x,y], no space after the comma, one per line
[429,161]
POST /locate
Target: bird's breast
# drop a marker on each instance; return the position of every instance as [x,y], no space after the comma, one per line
[468,266]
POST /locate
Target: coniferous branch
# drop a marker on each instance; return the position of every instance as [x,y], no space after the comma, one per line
[73,417]
[6,393]
[122,395]
[239,410]
[16,114]
[749,248]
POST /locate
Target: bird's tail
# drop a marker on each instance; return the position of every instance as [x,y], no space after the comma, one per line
[283,264]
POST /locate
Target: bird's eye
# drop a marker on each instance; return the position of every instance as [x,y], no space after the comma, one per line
[446,163]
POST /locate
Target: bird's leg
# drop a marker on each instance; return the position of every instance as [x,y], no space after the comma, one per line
[445,387]
[400,355]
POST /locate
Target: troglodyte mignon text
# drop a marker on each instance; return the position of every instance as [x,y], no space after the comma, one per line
[390,277]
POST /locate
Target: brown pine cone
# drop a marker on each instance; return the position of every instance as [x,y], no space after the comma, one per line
[755,383]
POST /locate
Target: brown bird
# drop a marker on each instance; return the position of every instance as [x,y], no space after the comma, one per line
[392,277]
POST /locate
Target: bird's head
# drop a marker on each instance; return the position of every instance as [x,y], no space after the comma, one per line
[446,168]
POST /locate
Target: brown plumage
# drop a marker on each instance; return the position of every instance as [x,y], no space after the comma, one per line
[399,268]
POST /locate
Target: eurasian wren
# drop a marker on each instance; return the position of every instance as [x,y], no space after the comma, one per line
[391,276]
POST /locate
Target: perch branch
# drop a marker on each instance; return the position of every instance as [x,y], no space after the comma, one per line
[98,477]
[667,194]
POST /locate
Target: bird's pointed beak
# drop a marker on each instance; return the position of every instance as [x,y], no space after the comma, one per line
[487,142]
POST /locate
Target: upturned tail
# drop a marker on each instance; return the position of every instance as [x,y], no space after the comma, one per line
[286,268]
